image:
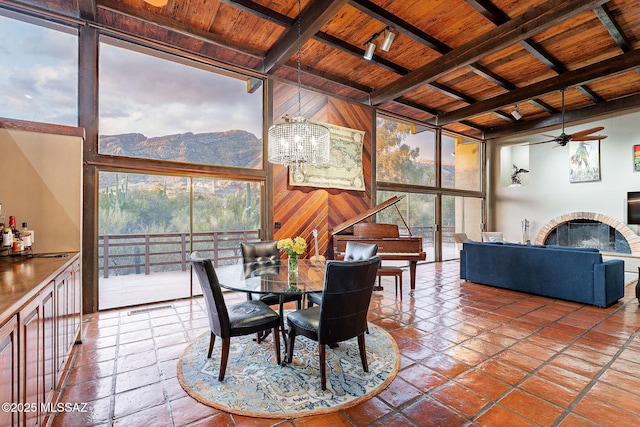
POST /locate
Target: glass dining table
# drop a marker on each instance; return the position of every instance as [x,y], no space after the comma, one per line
[276,279]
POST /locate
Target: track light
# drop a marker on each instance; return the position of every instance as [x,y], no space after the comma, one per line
[368,53]
[389,36]
[516,113]
[388,39]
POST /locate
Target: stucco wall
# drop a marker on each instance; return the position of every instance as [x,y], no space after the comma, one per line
[547,192]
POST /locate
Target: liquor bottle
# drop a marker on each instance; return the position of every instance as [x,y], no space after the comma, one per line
[1,219]
[25,235]
[7,237]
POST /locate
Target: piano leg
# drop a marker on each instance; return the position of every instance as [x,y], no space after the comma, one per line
[412,273]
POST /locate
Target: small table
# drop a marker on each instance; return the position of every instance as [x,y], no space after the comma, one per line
[275,279]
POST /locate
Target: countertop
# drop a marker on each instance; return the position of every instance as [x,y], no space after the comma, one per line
[21,279]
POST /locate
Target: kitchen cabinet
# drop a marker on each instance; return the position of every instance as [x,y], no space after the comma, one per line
[37,335]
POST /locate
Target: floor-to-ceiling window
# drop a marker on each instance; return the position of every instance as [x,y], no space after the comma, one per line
[158,117]
[38,70]
[442,193]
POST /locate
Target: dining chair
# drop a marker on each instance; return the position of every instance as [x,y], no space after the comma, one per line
[245,318]
[348,286]
[354,251]
[266,254]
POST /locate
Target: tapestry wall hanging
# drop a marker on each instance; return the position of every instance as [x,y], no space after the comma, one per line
[584,161]
[344,170]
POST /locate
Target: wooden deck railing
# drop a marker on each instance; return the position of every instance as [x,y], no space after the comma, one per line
[123,254]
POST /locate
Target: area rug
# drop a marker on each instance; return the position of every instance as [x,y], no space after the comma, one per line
[255,386]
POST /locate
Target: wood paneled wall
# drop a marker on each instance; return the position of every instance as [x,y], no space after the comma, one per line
[301,209]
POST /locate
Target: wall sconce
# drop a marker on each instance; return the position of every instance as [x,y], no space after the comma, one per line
[389,36]
[516,113]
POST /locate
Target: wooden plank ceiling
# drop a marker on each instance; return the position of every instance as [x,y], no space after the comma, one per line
[459,64]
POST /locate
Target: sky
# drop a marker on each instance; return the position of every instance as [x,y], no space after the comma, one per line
[138,92]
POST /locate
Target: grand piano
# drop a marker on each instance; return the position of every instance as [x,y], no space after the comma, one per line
[391,246]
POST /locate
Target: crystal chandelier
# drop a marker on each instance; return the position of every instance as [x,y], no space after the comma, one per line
[298,142]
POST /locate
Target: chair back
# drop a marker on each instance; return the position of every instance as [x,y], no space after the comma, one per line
[216,306]
[345,299]
[261,258]
[264,253]
[359,251]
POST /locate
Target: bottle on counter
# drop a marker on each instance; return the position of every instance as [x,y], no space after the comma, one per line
[7,237]
[25,236]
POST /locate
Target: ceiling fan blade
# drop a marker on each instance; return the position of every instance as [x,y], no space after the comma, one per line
[590,138]
[548,136]
[586,132]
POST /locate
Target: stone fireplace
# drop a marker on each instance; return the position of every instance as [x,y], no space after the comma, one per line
[590,229]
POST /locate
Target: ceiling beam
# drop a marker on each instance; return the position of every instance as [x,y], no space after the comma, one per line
[520,28]
[311,20]
[261,12]
[88,10]
[401,26]
[609,22]
[609,107]
[608,67]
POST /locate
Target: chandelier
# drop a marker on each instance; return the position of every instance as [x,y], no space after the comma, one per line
[298,142]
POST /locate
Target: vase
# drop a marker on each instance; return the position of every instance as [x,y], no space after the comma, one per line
[293,268]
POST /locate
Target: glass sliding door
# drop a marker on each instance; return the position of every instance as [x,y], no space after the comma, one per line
[459,215]
[149,224]
[225,213]
[418,210]
[143,235]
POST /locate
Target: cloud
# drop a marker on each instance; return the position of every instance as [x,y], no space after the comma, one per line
[149,95]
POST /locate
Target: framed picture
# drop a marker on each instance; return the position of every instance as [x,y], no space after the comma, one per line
[636,158]
[584,161]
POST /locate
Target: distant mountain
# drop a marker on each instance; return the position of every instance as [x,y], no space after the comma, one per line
[236,148]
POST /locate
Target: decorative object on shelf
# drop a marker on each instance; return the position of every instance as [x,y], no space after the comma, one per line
[298,142]
[515,176]
[584,161]
[293,248]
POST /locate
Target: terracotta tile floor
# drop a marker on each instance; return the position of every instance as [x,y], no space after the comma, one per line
[470,355]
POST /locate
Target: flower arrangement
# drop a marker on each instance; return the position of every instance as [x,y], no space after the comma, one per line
[293,247]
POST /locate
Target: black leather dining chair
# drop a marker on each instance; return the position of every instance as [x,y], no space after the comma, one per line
[348,286]
[266,254]
[245,318]
[354,251]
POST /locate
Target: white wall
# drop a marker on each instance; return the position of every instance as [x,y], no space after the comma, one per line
[41,179]
[549,194]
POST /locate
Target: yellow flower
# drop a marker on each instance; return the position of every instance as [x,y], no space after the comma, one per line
[290,246]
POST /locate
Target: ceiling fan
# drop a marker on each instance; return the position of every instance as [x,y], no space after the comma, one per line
[563,139]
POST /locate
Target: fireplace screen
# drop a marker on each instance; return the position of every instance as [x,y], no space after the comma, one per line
[588,234]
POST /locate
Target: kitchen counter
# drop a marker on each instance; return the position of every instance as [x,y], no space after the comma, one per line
[22,278]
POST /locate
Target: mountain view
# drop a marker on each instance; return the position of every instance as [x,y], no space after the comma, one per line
[235,148]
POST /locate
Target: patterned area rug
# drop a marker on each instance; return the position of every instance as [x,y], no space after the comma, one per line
[255,386]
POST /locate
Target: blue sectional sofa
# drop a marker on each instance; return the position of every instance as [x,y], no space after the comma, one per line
[573,274]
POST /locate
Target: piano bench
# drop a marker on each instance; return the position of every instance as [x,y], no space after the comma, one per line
[391,271]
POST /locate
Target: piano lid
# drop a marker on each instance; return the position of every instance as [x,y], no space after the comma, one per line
[368,213]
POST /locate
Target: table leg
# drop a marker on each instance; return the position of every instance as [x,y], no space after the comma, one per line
[283,331]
